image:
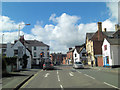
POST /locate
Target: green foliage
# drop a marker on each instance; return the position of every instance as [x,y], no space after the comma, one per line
[8,61]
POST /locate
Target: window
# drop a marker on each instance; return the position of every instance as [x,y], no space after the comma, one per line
[15,52]
[42,49]
[105,47]
[34,54]
[107,60]
[34,47]
[75,55]
[83,54]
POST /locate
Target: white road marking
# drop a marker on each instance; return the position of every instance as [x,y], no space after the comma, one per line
[89,76]
[47,74]
[71,74]
[78,71]
[58,78]
[57,71]
[110,85]
[61,86]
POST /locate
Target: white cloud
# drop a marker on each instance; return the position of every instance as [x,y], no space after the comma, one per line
[66,33]
[6,24]
[113,10]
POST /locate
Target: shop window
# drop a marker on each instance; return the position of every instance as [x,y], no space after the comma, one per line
[107,60]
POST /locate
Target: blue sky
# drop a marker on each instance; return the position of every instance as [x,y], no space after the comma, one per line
[32,12]
[58,24]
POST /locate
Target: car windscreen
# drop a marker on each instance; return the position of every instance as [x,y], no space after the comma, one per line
[78,63]
[47,62]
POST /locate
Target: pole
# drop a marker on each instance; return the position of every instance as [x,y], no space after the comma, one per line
[18,31]
[2,44]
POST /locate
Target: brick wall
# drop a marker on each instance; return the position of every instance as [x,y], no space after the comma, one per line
[100,61]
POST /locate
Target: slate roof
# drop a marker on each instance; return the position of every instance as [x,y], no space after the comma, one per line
[114,41]
[109,33]
[79,48]
[35,43]
[71,50]
[5,45]
[89,35]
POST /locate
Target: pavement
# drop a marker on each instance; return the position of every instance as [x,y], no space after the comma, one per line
[105,69]
[15,79]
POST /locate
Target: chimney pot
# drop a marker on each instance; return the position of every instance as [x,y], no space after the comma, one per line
[70,48]
[100,26]
[117,27]
[105,29]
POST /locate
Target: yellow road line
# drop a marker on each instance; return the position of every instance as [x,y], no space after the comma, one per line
[31,79]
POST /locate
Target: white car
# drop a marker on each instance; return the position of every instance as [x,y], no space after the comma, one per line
[78,65]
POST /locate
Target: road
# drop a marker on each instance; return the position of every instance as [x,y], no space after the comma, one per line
[67,77]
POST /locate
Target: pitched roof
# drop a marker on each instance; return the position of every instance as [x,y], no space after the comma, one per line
[35,43]
[89,35]
[5,45]
[113,41]
[79,48]
[109,33]
[71,50]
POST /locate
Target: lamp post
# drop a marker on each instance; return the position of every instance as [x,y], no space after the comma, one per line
[2,43]
[19,29]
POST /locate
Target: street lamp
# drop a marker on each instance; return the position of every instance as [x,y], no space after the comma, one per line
[19,29]
[2,44]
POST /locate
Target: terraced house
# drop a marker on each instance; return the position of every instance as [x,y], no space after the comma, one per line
[94,43]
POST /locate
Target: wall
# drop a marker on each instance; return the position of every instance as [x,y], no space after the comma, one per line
[115,54]
[100,61]
[77,58]
[106,52]
[38,50]
[90,52]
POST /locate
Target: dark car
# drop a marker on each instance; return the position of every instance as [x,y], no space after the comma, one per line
[48,65]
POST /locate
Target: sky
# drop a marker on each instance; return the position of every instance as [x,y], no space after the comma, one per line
[61,25]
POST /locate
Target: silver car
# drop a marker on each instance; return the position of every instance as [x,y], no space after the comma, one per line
[78,65]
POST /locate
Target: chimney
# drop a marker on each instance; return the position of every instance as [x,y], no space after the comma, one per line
[100,26]
[22,39]
[70,49]
[105,29]
[99,30]
[117,27]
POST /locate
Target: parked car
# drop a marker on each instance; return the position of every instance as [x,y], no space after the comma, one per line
[78,65]
[48,65]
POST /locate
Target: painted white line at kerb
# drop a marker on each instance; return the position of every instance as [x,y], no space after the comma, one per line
[89,76]
[78,71]
[57,71]
[47,74]
[71,74]
[61,86]
[110,85]
[58,78]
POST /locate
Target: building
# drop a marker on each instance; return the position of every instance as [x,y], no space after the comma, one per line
[57,58]
[36,47]
[79,54]
[94,43]
[18,50]
[111,52]
[70,56]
